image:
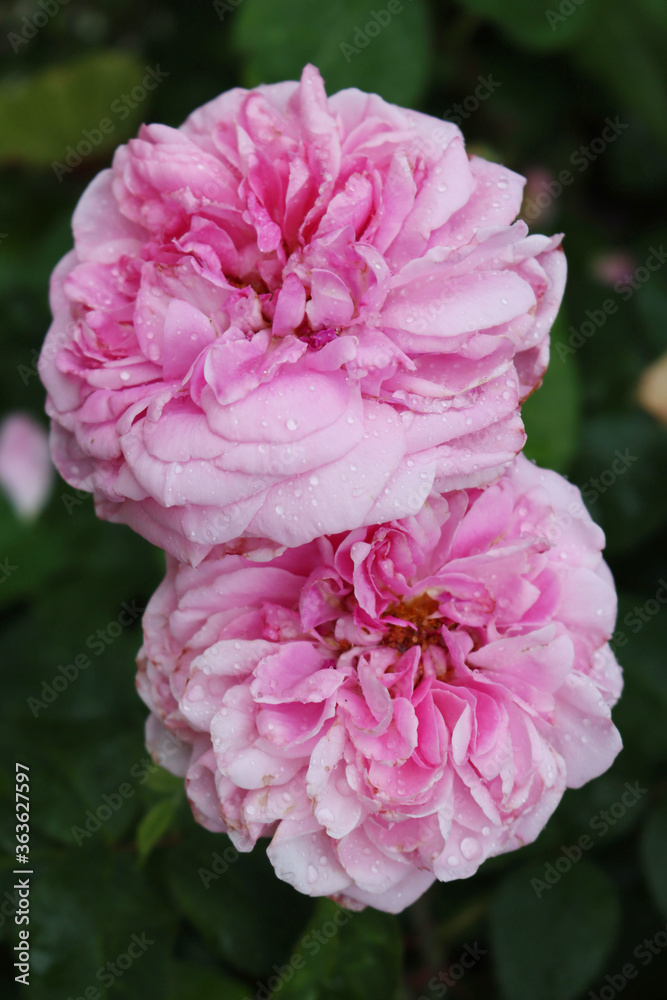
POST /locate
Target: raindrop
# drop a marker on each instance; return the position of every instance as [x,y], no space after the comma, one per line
[469,848]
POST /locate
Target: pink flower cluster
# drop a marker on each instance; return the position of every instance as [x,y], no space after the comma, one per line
[292,316]
[397,703]
[290,346]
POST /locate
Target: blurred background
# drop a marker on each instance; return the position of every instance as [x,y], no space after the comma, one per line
[128,897]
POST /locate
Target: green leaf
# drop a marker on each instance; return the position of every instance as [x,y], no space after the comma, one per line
[32,553]
[188,980]
[630,36]
[87,909]
[640,637]
[80,611]
[164,782]
[155,824]
[551,414]
[86,785]
[552,947]
[47,111]
[247,915]
[616,471]
[347,43]
[640,648]
[652,308]
[655,9]
[344,954]
[604,810]
[654,855]
[537,23]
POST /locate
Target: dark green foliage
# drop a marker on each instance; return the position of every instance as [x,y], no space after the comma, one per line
[227,929]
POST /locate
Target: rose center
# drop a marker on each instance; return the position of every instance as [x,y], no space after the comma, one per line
[420,624]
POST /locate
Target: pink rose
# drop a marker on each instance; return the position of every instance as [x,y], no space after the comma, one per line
[26,471]
[395,704]
[292,316]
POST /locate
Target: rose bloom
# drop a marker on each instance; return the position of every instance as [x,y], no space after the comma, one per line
[291,316]
[395,704]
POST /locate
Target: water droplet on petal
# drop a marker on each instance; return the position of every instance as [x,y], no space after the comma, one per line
[469,848]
